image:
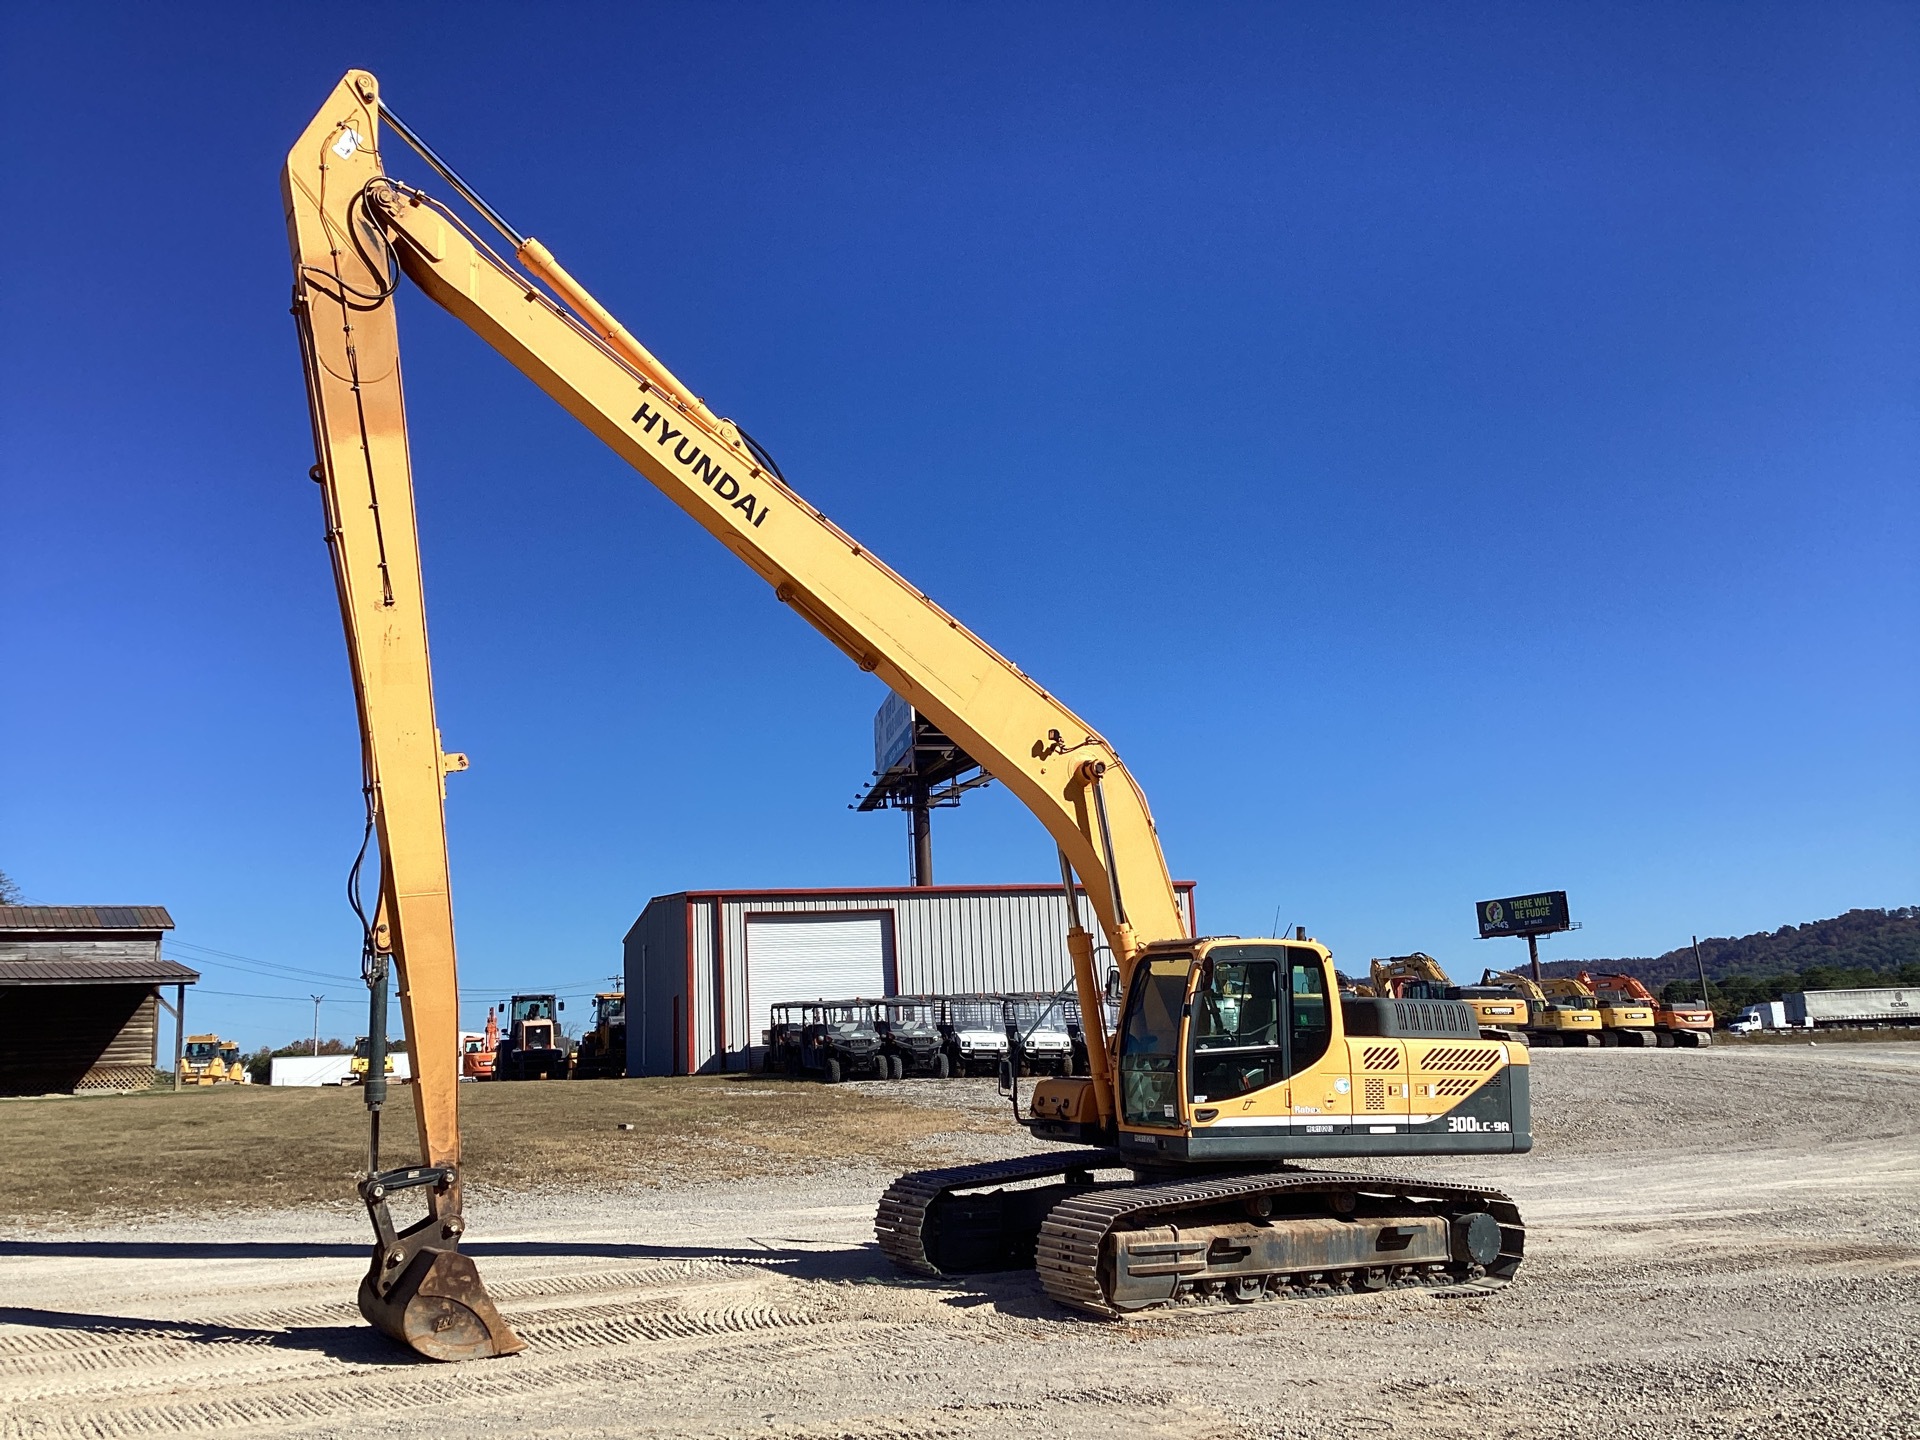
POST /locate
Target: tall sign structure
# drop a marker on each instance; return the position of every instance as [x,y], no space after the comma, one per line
[1535,915]
[919,769]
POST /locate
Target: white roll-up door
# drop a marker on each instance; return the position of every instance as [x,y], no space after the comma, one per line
[812,957]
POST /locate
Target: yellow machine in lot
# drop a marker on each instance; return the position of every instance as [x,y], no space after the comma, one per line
[362,1061]
[1675,1022]
[602,1052]
[1623,1019]
[209,1060]
[1551,1019]
[1237,1067]
[1501,1014]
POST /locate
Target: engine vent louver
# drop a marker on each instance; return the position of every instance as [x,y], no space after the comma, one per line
[1459,1057]
[1380,1057]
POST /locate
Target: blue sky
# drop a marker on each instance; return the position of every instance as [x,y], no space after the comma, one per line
[1450,451]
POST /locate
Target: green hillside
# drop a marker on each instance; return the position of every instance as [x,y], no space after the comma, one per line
[1859,948]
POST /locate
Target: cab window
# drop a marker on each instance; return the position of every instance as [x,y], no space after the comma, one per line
[1309,1017]
[1150,1043]
[1236,1029]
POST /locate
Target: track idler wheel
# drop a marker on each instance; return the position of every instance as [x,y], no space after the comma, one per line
[439,1309]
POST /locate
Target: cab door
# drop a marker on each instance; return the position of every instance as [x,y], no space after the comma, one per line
[1319,1070]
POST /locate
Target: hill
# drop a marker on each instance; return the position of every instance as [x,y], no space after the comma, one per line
[1861,947]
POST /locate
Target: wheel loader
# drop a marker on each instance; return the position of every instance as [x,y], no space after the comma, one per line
[602,1054]
[209,1060]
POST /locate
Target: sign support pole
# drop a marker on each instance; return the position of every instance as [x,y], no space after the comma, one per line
[922,814]
[1701,965]
[1533,954]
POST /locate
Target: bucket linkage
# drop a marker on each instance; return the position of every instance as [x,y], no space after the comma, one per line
[419,1290]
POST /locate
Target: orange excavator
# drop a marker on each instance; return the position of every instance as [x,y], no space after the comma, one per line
[1675,1022]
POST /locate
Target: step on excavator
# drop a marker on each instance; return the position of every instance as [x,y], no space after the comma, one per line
[1189,1167]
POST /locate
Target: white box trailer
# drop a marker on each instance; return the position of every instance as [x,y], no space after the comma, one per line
[327,1069]
[1883,1005]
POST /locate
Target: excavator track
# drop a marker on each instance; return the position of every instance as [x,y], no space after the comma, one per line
[1072,1244]
[1190,1240]
[908,1224]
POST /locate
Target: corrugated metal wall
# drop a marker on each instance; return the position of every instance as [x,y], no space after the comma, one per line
[656,969]
[943,941]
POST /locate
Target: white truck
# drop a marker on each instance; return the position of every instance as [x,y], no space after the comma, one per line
[1767,1015]
[1817,1009]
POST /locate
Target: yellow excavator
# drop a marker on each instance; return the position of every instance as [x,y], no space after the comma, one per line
[1551,1019]
[1233,1058]
[1501,1014]
[1623,1019]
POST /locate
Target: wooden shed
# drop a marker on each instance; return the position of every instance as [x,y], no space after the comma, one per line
[80,997]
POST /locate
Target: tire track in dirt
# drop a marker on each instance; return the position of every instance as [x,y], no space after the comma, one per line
[670,1274]
[366,1395]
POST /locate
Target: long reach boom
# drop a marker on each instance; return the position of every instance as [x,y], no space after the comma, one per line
[1230,1054]
[354,231]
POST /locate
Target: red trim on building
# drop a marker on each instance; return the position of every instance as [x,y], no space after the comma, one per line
[888,891]
[686,1038]
[719,989]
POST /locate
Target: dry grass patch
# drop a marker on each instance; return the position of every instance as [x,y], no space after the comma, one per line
[248,1146]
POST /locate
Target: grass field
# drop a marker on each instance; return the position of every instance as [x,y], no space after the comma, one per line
[77,1159]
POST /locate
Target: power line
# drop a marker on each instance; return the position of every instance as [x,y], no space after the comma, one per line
[287,999]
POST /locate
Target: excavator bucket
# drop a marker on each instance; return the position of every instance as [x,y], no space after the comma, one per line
[439,1309]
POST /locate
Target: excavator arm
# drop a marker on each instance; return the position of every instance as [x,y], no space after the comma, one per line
[354,231]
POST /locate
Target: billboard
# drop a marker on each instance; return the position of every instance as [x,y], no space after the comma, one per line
[892,734]
[1541,914]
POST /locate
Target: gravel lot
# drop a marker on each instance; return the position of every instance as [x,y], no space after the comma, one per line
[1721,1243]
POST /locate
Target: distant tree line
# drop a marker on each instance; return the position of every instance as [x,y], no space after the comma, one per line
[1857,950]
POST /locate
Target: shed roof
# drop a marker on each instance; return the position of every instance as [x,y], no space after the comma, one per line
[84,917]
[69,970]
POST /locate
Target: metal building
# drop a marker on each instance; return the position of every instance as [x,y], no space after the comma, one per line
[704,966]
[80,997]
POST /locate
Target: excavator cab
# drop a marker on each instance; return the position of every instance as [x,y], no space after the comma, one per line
[1236,1051]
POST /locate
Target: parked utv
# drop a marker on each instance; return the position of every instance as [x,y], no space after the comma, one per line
[909,1027]
[1038,1040]
[973,1033]
[834,1040]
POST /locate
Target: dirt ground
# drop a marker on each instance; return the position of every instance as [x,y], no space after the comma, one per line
[124,1155]
[1722,1243]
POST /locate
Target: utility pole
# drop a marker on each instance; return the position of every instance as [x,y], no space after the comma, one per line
[316,1021]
